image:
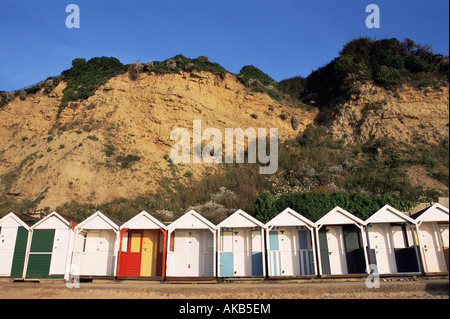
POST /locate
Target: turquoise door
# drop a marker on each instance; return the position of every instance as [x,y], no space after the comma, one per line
[226,264]
[274,255]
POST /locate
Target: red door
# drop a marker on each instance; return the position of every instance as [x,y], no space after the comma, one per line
[130,254]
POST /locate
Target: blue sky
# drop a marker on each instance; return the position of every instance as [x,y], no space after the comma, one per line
[284,38]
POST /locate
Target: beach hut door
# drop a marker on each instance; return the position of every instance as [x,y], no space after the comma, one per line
[60,250]
[40,253]
[193,257]
[226,256]
[353,251]
[7,241]
[431,245]
[380,241]
[338,264]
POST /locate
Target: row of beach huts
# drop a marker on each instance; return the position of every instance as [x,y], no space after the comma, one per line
[340,244]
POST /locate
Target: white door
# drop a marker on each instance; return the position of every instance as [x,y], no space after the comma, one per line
[380,241]
[88,252]
[286,252]
[338,262]
[193,253]
[432,247]
[60,250]
[7,244]
[105,255]
[179,254]
[207,256]
[242,259]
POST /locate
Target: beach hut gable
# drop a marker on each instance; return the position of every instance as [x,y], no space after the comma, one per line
[339,216]
[193,220]
[240,219]
[52,221]
[12,220]
[436,213]
[289,217]
[143,221]
[98,221]
[388,214]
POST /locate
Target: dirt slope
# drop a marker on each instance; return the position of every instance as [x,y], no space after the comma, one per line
[75,158]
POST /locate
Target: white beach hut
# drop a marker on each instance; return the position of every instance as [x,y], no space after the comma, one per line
[390,242]
[13,246]
[341,244]
[241,246]
[192,249]
[49,247]
[142,245]
[95,247]
[290,245]
[432,227]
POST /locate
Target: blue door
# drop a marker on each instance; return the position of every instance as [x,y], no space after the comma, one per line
[274,255]
[305,254]
[257,268]
[226,264]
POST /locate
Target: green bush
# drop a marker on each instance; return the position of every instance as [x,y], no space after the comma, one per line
[314,205]
[265,206]
[415,64]
[83,78]
[387,62]
[127,161]
[250,72]
[181,63]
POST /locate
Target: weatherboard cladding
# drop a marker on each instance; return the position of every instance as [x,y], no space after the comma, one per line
[433,236]
[290,250]
[241,248]
[242,252]
[191,241]
[341,243]
[290,253]
[142,247]
[13,243]
[48,251]
[391,244]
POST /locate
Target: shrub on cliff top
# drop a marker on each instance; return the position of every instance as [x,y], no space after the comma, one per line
[83,78]
[181,63]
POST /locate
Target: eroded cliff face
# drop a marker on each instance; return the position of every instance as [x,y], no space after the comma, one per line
[406,115]
[76,156]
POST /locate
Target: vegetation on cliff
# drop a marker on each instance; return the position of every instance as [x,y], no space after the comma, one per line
[316,171]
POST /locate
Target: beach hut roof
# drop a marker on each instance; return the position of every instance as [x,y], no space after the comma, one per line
[143,220]
[99,220]
[339,216]
[192,220]
[289,217]
[11,219]
[435,213]
[240,219]
[388,214]
[54,220]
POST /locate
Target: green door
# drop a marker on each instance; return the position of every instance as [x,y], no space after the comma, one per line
[19,253]
[40,253]
[324,257]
